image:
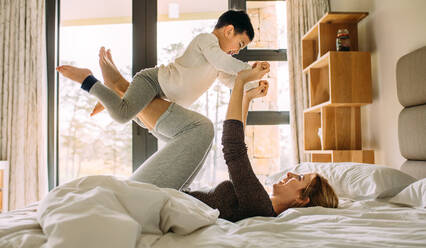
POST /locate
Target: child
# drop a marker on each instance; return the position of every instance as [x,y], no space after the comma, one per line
[183,81]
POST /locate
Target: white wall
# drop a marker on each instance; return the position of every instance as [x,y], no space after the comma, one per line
[392,29]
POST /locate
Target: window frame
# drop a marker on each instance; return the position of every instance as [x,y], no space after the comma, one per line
[246,55]
[144,20]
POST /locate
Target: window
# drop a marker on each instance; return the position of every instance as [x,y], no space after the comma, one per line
[268,145]
[174,34]
[173,24]
[92,145]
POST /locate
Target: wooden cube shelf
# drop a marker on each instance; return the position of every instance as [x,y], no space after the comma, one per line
[340,78]
[321,38]
[332,128]
[339,83]
[357,156]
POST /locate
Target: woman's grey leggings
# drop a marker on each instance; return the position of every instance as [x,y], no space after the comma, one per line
[188,135]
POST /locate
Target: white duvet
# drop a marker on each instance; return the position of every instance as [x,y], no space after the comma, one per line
[364,223]
[103,211]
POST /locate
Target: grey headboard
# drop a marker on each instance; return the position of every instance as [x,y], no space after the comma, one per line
[411,87]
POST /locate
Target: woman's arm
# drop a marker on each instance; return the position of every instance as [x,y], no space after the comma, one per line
[246,105]
[259,91]
[235,103]
[251,196]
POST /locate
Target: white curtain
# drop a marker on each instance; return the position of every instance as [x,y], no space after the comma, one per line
[22,98]
[301,16]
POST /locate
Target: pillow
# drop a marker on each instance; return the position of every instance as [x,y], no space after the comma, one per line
[354,180]
[413,195]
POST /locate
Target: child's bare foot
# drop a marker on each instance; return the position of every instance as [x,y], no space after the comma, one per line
[110,72]
[74,73]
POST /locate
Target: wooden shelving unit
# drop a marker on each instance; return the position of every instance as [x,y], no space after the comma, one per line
[339,84]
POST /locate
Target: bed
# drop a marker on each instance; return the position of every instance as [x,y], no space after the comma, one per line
[379,206]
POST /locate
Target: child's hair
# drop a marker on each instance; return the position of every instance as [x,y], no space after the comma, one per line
[239,19]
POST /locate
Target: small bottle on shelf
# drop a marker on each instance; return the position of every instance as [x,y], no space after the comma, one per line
[343,42]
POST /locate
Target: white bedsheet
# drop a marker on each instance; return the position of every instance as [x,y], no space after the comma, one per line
[368,223]
[356,224]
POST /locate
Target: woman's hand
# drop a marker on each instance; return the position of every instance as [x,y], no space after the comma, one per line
[259,91]
[257,72]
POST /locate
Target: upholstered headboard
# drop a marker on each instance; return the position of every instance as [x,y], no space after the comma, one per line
[411,87]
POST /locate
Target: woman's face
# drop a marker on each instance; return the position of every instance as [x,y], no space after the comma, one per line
[290,187]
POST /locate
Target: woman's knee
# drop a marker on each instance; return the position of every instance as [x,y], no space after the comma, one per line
[206,129]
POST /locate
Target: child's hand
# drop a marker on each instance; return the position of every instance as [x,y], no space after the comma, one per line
[264,65]
[257,72]
[259,91]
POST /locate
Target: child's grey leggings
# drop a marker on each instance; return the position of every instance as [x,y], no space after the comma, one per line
[188,135]
[141,91]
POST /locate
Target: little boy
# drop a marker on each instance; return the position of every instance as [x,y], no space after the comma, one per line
[207,57]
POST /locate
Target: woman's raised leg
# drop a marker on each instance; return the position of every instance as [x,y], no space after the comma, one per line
[190,137]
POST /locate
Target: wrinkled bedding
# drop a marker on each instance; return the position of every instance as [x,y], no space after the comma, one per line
[365,223]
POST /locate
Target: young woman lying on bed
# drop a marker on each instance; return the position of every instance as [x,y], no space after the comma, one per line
[177,163]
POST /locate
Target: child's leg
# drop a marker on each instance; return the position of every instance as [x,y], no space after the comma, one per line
[119,85]
[144,88]
[112,77]
[139,94]
[176,165]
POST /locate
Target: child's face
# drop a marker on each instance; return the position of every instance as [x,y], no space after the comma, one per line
[232,43]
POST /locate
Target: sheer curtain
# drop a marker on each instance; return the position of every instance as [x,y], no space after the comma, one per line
[301,16]
[22,98]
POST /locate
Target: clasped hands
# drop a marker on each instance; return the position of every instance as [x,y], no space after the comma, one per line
[259,69]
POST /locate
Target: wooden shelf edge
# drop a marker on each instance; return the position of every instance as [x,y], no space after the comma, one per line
[310,35]
[317,108]
[318,151]
[357,15]
[320,61]
[317,63]
[331,151]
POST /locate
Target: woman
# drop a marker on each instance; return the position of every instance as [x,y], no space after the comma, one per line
[243,195]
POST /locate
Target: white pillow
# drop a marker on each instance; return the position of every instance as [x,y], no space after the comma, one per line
[354,180]
[413,195]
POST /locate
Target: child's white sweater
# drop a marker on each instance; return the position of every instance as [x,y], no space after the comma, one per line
[189,76]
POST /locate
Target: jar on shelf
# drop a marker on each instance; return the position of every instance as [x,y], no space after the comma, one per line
[343,42]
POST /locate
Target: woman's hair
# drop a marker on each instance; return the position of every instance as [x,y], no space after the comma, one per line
[320,193]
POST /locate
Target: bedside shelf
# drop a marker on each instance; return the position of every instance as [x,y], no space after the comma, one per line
[340,78]
[358,156]
[321,38]
[332,128]
[339,83]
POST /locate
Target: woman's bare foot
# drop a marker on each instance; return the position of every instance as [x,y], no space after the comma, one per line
[74,73]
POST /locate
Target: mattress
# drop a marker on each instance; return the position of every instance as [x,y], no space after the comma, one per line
[368,223]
